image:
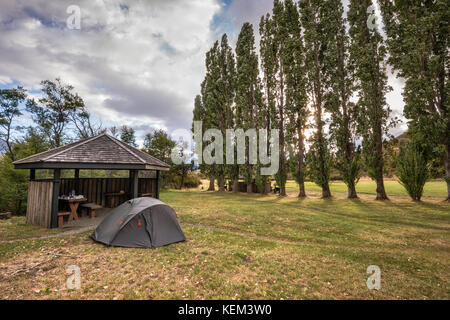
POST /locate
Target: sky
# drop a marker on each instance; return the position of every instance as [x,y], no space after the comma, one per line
[135,63]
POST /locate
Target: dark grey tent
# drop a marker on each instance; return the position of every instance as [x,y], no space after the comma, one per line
[140,223]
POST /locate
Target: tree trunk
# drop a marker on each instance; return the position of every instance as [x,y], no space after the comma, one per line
[282,168]
[381,193]
[182,182]
[301,190]
[236,185]
[221,183]
[301,174]
[249,188]
[283,191]
[211,183]
[351,194]
[447,170]
[326,193]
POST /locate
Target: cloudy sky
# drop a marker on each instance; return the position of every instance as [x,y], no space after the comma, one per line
[138,63]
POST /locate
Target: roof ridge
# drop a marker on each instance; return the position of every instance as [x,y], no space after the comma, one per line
[74,146]
[119,143]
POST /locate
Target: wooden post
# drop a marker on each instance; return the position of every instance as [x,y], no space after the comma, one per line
[77,181]
[157,185]
[134,183]
[56,184]
[32,174]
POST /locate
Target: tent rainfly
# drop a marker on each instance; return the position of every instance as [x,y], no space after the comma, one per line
[140,223]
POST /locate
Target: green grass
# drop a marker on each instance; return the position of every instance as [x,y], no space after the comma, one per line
[253,247]
[432,189]
[16,228]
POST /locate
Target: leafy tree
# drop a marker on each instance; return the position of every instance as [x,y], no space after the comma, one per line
[268,67]
[273,33]
[54,110]
[84,124]
[209,95]
[296,95]
[418,42]
[14,183]
[127,135]
[199,114]
[182,169]
[226,94]
[33,142]
[10,100]
[368,55]
[114,131]
[343,112]
[218,90]
[316,18]
[412,170]
[248,93]
[159,144]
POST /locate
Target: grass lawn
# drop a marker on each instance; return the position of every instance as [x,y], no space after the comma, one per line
[251,247]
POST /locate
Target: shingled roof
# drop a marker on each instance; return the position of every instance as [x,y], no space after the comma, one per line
[99,152]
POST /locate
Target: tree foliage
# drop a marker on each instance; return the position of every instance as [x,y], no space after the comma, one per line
[412,170]
[418,42]
[368,54]
[10,100]
[54,110]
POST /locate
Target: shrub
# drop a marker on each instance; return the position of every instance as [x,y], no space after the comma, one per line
[412,170]
[190,181]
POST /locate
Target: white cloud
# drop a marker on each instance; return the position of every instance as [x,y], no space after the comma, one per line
[138,63]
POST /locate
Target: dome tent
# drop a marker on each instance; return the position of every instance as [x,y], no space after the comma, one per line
[140,223]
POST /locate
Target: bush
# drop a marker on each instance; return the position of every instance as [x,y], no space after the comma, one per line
[412,170]
[190,181]
[13,187]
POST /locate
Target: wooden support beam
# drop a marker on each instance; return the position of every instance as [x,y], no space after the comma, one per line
[56,184]
[156,192]
[134,183]
[77,181]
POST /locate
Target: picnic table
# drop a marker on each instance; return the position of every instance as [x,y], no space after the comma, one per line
[73,204]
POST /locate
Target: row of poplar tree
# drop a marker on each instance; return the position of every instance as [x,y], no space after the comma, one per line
[322,69]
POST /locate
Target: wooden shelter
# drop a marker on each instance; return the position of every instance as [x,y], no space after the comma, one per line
[101,152]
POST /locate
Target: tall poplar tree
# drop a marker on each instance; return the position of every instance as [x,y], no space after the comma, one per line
[317,24]
[368,53]
[418,43]
[296,96]
[209,94]
[343,112]
[273,41]
[218,91]
[226,89]
[268,54]
[248,92]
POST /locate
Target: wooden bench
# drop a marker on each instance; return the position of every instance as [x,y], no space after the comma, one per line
[90,207]
[61,216]
[146,194]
